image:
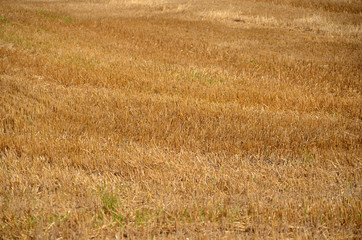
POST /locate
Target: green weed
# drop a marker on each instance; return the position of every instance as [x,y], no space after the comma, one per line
[55,17]
[110,201]
[3,20]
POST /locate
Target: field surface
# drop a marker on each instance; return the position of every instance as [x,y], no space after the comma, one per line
[180,119]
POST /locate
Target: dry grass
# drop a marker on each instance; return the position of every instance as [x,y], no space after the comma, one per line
[180,119]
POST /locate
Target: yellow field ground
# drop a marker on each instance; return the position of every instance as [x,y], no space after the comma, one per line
[176,119]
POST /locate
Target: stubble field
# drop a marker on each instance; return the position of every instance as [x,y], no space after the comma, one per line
[175,119]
